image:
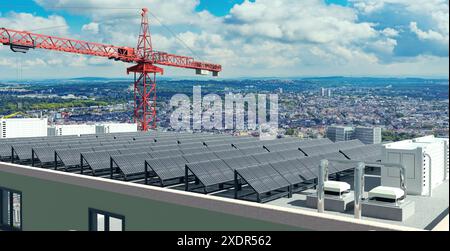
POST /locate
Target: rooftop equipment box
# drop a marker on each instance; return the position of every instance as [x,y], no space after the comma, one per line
[415,155]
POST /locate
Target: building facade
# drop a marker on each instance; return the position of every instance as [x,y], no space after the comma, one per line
[368,135]
[340,133]
[23,128]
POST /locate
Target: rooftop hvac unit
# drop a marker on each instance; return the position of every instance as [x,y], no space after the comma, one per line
[420,160]
[445,142]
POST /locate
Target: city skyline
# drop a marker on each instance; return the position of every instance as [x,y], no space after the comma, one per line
[249,38]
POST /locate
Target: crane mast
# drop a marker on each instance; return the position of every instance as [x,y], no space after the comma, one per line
[144,58]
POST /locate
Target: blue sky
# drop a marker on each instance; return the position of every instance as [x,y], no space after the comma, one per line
[249,37]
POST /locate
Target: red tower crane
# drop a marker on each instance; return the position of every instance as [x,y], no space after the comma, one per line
[145,58]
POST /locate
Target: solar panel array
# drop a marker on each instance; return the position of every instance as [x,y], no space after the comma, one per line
[265,165]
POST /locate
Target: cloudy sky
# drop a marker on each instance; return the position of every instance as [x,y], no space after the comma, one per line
[274,38]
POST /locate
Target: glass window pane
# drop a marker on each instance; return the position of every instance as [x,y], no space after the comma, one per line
[100,222]
[5,208]
[17,221]
[115,224]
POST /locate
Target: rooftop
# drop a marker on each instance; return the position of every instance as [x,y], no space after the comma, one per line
[279,172]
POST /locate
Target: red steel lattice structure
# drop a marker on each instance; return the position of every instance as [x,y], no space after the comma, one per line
[144,57]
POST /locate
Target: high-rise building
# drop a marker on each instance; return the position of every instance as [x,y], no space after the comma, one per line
[368,135]
[322,92]
[340,133]
[329,93]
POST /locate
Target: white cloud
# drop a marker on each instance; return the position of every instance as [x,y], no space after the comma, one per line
[264,37]
[436,11]
[91,28]
[52,25]
[427,35]
[169,12]
[390,32]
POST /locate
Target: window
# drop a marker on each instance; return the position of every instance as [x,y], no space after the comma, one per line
[104,221]
[10,209]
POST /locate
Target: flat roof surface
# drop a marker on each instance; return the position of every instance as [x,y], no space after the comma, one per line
[429,212]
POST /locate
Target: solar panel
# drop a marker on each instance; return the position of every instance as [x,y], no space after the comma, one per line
[135,145]
[158,148]
[108,148]
[320,149]
[168,168]
[283,145]
[263,178]
[194,150]
[212,143]
[23,151]
[253,150]
[337,166]
[131,164]
[229,154]
[5,150]
[71,157]
[311,164]
[376,153]
[279,141]
[240,162]
[164,154]
[289,170]
[370,153]
[291,154]
[191,145]
[134,150]
[98,161]
[47,154]
[211,172]
[194,141]
[267,157]
[199,157]
[244,145]
[349,144]
[219,148]
[303,171]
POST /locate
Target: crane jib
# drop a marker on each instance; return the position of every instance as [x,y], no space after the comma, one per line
[143,56]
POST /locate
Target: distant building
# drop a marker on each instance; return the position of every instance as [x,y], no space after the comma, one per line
[368,135]
[23,127]
[78,129]
[340,133]
[325,92]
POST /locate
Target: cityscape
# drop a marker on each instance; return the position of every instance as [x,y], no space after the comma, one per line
[223,124]
[403,108]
